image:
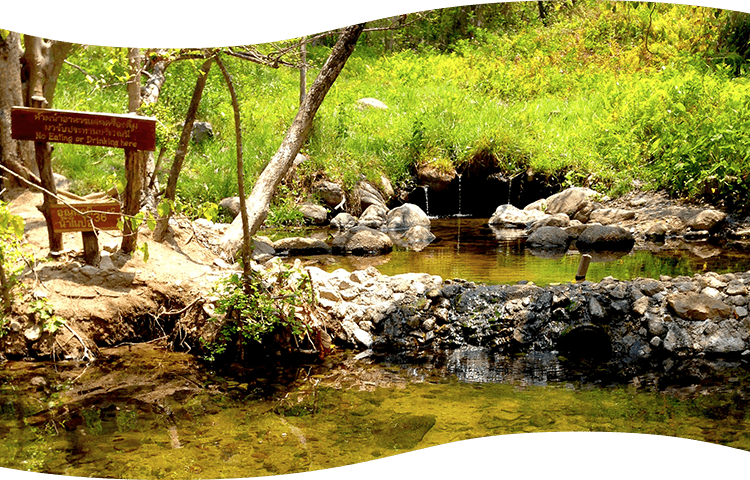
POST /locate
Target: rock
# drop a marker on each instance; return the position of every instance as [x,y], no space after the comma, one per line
[386,186]
[697,306]
[574,202]
[706,220]
[726,337]
[416,238]
[329,192]
[230,205]
[405,217]
[374,216]
[557,220]
[368,195]
[33,333]
[362,337]
[61,182]
[649,286]
[314,213]
[608,216]
[362,241]
[435,178]
[605,237]
[549,238]
[677,339]
[640,306]
[540,205]
[368,102]
[344,221]
[262,249]
[509,216]
[202,131]
[575,228]
[300,246]
[105,263]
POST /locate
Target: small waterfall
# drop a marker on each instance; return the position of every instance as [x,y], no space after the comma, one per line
[459,194]
[510,186]
[426,200]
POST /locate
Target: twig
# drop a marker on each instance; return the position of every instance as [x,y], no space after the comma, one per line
[86,352]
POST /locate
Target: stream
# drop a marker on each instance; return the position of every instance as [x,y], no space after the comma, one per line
[143,412]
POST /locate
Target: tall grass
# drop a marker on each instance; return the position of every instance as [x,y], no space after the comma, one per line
[605,95]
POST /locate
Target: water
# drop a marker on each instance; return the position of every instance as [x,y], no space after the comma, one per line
[146,413]
[469,248]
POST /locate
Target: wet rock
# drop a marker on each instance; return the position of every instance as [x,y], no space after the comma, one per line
[362,241]
[344,221]
[315,214]
[605,237]
[300,246]
[677,339]
[656,232]
[368,194]
[329,192]
[550,238]
[512,217]
[697,306]
[405,217]
[374,216]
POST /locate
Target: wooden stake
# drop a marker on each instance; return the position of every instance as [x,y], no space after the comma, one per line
[583,267]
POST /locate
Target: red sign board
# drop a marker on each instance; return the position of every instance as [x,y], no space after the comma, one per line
[103,216]
[83,128]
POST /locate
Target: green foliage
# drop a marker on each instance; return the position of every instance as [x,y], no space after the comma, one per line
[46,314]
[11,258]
[263,304]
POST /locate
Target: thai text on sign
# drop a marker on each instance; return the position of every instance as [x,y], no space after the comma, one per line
[83,128]
[102,216]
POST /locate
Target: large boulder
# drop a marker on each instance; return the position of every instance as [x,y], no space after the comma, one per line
[707,220]
[362,241]
[202,131]
[605,237]
[373,216]
[575,202]
[329,192]
[230,206]
[300,246]
[698,306]
[367,194]
[557,220]
[405,217]
[549,238]
[508,216]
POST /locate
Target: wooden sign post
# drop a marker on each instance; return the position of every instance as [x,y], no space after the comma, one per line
[41,126]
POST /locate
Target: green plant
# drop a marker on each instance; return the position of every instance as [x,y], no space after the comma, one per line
[44,312]
[262,304]
[11,256]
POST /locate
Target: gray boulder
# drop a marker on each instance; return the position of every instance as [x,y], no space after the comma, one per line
[314,213]
[230,205]
[405,217]
[557,220]
[362,241]
[608,216]
[436,179]
[509,216]
[549,238]
[368,195]
[574,202]
[605,237]
[344,221]
[707,220]
[373,216]
[416,238]
[202,131]
[698,306]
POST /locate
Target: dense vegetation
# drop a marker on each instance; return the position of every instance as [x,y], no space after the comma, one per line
[609,95]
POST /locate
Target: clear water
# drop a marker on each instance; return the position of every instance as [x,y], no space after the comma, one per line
[470,249]
[146,413]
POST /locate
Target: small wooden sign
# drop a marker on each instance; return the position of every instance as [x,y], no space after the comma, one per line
[103,217]
[83,128]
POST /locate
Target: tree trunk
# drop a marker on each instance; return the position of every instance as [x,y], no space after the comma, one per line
[264,188]
[302,72]
[182,148]
[133,159]
[18,156]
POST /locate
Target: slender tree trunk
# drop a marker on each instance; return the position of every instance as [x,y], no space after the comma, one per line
[182,148]
[240,172]
[133,159]
[302,72]
[264,188]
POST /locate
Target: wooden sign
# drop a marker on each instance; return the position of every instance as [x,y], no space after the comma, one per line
[65,219]
[83,128]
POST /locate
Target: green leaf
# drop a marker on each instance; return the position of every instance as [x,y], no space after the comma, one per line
[164,208]
[151,222]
